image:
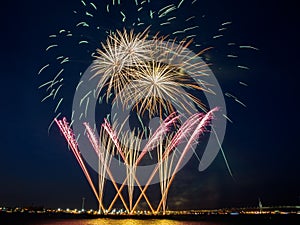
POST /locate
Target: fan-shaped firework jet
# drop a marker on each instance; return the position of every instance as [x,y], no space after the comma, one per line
[193,127]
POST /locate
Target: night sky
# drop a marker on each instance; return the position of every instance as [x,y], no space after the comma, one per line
[36,168]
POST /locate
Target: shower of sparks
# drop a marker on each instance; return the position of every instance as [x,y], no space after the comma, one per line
[166,15]
[191,130]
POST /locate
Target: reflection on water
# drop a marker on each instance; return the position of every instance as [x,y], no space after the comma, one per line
[125,222]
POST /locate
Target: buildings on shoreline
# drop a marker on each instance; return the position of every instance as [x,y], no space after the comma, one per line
[115,212]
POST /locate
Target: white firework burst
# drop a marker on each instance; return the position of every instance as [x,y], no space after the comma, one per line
[121,50]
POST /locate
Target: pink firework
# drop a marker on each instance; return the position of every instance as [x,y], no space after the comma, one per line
[189,131]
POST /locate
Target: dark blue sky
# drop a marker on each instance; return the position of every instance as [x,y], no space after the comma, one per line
[261,144]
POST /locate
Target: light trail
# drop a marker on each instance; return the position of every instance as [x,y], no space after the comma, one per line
[103,156]
[69,136]
[200,129]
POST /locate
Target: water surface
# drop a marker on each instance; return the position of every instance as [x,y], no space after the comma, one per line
[124,222]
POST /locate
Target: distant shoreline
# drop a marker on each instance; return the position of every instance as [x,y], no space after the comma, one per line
[260,219]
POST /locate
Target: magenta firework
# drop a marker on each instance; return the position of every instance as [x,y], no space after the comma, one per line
[191,130]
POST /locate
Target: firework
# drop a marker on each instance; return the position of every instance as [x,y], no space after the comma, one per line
[130,64]
[150,72]
[147,15]
[69,136]
[121,50]
[193,127]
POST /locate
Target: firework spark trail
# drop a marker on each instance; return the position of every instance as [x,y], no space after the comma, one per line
[43,68]
[200,129]
[164,127]
[69,136]
[222,151]
[160,131]
[183,131]
[113,137]
[133,145]
[243,67]
[131,174]
[188,126]
[235,99]
[54,96]
[101,162]
[164,168]
[105,162]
